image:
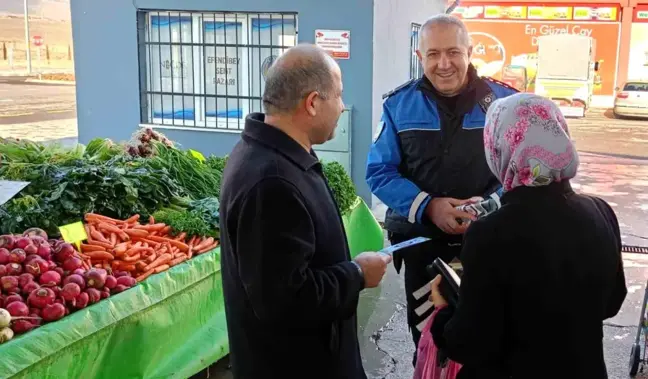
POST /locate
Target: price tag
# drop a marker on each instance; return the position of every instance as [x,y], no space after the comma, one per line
[74,233]
[9,189]
[197,154]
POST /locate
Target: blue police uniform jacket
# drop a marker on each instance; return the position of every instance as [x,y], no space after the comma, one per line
[421,151]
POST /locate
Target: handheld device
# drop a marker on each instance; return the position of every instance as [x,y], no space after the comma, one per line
[450,281]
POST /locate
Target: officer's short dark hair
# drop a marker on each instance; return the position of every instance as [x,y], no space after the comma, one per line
[299,71]
[446,19]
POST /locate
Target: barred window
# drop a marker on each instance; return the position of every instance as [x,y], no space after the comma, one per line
[207,70]
[416,70]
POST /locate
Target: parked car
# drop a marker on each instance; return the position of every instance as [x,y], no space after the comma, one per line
[632,100]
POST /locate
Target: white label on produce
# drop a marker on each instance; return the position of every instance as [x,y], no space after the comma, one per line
[9,189]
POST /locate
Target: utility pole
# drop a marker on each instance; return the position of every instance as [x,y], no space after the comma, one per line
[27,39]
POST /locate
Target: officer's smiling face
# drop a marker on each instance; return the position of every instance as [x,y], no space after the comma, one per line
[445,52]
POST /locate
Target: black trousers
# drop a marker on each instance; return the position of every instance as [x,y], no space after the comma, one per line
[416,260]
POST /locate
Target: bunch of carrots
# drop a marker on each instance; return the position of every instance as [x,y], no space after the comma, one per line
[140,249]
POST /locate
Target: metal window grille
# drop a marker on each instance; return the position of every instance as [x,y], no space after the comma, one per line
[416,70]
[207,69]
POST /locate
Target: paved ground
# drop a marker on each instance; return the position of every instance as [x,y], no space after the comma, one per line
[614,165]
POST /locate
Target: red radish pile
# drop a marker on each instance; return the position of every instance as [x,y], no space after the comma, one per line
[42,280]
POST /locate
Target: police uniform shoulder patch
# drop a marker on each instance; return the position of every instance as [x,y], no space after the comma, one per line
[486,101]
[379,130]
[397,89]
[499,83]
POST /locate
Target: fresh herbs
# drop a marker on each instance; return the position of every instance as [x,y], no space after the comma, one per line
[341,185]
[201,217]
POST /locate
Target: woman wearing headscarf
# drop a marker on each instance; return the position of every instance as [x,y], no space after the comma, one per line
[542,272]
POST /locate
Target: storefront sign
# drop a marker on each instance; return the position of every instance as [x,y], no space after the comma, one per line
[511,48]
[501,12]
[550,13]
[473,11]
[640,14]
[335,42]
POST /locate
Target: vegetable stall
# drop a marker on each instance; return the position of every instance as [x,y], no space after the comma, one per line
[109,258]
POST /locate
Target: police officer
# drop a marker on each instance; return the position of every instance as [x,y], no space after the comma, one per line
[427,156]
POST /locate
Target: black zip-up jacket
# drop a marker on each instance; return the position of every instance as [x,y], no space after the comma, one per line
[430,146]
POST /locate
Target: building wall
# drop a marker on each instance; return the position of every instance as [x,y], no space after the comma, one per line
[107,69]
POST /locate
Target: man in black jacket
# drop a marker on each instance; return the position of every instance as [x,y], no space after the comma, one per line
[291,289]
[428,155]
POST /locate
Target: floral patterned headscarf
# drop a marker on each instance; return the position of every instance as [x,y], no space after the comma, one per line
[527,142]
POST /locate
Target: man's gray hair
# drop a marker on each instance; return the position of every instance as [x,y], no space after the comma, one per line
[445,20]
[299,71]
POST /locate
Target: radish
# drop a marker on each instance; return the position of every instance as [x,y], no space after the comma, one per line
[11,298]
[7,241]
[10,284]
[22,243]
[6,318]
[35,232]
[82,300]
[14,269]
[36,266]
[111,282]
[6,334]
[79,271]
[35,312]
[94,295]
[105,293]
[72,264]
[45,251]
[3,270]
[31,249]
[18,309]
[96,278]
[53,312]
[38,241]
[41,298]
[127,281]
[64,252]
[70,291]
[50,279]
[17,256]
[120,288]
[24,279]
[4,256]
[75,278]
[22,326]
[30,287]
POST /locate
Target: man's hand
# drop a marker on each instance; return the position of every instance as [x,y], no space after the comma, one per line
[442,212]
[374,266]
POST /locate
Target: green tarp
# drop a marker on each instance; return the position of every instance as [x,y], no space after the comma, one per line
[170,326]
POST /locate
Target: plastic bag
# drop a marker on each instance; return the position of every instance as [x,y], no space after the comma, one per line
[428,364]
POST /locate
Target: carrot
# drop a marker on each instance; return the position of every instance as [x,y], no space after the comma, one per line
[181,236]
[145,275]
[87,229]
[85,265]
[133,219]
[100,255]
[128,268]
[192,241]
[190,253]
[132,258]
[97,235]
[180,245]
[178,260]
[205,242]
[161,260]
[106,265]
[89,247]
[161,268]
[208,248]
[105,245]
[108,228]
[165,230]
[136,233]
[151,227]
[150,259]
[120,248]
[113,238]
[95,216]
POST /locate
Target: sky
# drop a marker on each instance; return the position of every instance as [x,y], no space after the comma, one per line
[52,9]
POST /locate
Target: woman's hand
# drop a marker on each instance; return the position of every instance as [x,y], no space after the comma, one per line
[435,296]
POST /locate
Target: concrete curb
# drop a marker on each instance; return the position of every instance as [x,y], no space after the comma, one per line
[59,82]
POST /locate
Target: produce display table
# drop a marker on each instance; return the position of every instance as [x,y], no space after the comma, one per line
[170,326]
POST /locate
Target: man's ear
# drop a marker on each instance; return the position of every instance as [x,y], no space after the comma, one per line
[310,103]
[419,55]
[469,51]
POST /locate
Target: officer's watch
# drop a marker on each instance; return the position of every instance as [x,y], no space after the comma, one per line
[359,272]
